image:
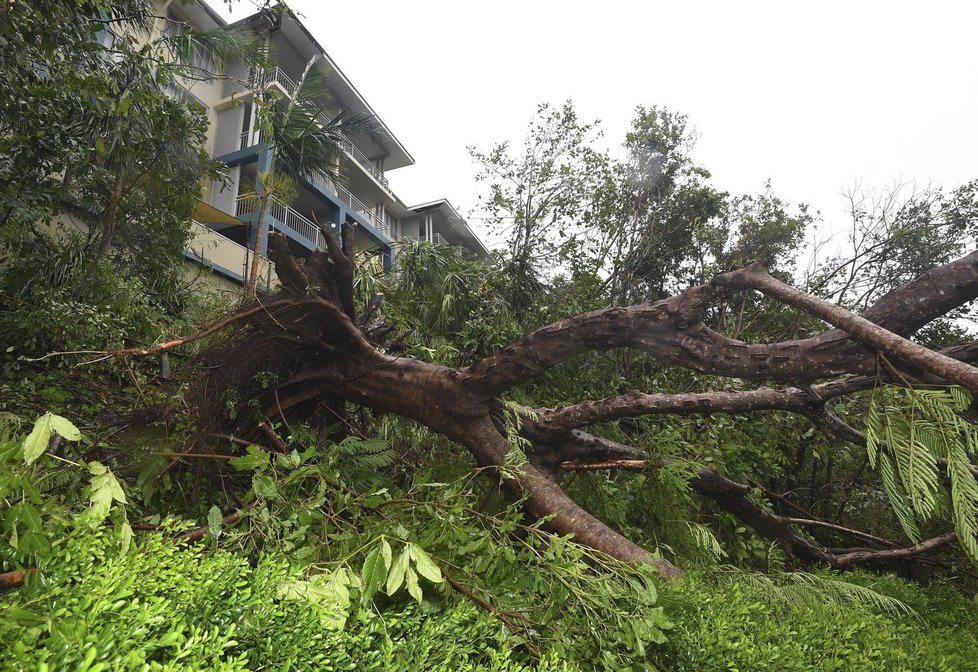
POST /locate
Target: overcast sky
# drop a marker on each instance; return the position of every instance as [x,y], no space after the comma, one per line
[814,96]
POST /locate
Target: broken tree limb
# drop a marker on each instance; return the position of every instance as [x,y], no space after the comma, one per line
[845,560]
[13,579]
[310,339]
[756,277]
[672,330]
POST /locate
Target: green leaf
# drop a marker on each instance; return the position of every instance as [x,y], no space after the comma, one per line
[30,516]
[105,489]
[425,565]
[374,572]
[125,537]
[265,486]
[411,579]
[37,441]
[396,576]
[23,616]
[214,522]
[65,428]
[124,104]
[329,593]
[256,458]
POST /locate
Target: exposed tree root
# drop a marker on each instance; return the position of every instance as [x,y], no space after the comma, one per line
[310,340]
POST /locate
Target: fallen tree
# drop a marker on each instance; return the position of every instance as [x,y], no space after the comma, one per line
[311,339]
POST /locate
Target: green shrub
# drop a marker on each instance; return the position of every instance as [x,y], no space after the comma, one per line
[734,626]
[174,607]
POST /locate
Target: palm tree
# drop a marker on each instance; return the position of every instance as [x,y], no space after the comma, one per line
[303,140]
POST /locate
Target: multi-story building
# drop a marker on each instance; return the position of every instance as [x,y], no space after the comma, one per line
[226,218]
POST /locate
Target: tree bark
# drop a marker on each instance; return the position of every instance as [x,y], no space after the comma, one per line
[108,222]
[310,335]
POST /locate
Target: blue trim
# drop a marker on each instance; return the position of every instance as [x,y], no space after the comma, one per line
[325,194]
[246,155]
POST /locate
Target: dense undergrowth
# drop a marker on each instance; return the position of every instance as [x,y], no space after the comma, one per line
[172,607]
[304,580]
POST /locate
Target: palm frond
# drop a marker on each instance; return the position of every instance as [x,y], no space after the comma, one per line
[306,138]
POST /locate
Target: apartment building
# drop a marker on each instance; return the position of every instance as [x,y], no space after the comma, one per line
[226,218]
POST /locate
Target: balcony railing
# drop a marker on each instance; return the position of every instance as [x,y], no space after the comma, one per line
[438,239]
[181,94]
[286,216]
[250,138]
[367,164]
[354,203]
[261,78]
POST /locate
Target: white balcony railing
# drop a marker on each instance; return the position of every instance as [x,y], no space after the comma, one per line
[367,164]
[250,138]
[182,94]
[262,78]
[438,239]
[288,217]
[354,203]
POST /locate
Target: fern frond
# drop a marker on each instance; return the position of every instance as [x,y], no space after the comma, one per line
[901,506]
[704,540]
[908,433]
[800,590]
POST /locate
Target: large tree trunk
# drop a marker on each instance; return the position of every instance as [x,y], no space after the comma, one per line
[108,221]
[310,336]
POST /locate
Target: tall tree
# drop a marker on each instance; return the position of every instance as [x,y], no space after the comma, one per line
[671,215]
[321,352]
[542,196]
[303,139]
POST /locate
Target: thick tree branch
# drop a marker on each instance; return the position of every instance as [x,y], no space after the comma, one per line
[756,277]
[733,498]
[672,330]
[844,560]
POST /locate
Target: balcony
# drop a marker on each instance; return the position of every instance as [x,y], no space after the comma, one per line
[254,136]
[285,216]
[242,83]
[212,249]
[181,94]
[259,79]
[250,138]
[366,163]
[352,202]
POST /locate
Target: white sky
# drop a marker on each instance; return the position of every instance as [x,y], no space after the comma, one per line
[814,96]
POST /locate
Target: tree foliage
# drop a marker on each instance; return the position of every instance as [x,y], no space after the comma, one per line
[490,465]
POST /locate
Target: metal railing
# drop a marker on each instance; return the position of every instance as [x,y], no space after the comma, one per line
[367,164]
[260,78]
[250,138]
[182,94]
[286,216]
[438,239]
[354,203]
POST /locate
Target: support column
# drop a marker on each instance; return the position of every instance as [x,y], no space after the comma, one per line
[338,219]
